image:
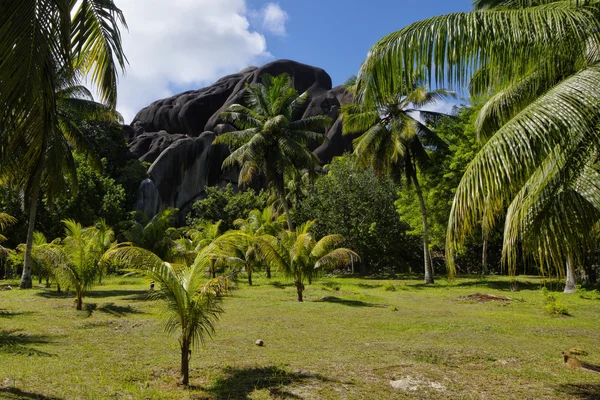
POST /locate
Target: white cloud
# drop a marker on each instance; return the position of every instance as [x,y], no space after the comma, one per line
[274,19]
[183,44]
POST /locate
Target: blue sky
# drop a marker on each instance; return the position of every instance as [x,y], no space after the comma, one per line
[336,35]
[188,44]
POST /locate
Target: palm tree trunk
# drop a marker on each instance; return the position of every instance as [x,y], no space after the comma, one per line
[484,254]
[26,282]
[249,272]
[185,363]
[281,192]
[268,272]
[79,302]
[426,256]
[570,283]
[212,269]
[299,290]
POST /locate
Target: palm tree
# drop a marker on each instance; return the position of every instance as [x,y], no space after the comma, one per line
[81,254]
[272,138]
[301,255]
[261,229]
[154,235]
[541,120]
[5,221]
[393,139]
[202,236]
[37,39]
[192,304]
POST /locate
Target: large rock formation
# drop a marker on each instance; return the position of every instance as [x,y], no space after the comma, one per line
[176,134]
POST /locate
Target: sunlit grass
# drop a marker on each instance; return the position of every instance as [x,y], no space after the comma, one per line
[348,340]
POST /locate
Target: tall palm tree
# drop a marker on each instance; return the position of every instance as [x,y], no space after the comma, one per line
[301,255]
[272,138]
[37,39]
[394,139]
[540,59]
[192,304]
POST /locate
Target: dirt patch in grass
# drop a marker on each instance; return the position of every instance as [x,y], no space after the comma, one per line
[485,298]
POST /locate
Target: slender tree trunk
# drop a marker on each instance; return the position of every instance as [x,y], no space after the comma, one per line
[79,302]
[299,290]
[570,283]
[26,282]
[213,269]
[268,272]
[281,192]
[484,255]
[426,256]
[249,272]
[185,363]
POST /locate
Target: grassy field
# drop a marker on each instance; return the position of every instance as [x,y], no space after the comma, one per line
[350,339]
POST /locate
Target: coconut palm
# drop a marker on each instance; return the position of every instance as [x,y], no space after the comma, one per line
[272,138]
[154,235]
[192,304]
[43,45]
[541,120]
[5,221]
[393,139]
[301,255]
[261,228]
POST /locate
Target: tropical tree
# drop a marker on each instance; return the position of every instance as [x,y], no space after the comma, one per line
[5,221]
[202,236]
[393,139]
[261,228]
[272,138]
[192,304]
[154,235]
[301,255]
[44,46]
[541,120]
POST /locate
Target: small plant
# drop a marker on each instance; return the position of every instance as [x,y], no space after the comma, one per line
[552,305]
[389,287]
[393,308]
[589,295]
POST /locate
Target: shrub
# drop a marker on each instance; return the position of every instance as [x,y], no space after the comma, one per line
[389,287]
[552,305]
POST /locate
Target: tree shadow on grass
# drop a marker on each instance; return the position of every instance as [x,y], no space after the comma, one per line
[14,342]
[280,285]
[10,314]
[583,391]
[350,303]
[124,294]
[506,286]
[239,383]
[118,311]
[14,393]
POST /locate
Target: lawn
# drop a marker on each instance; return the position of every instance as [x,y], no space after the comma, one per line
[351,339]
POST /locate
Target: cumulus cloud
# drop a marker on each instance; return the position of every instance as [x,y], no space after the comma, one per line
[274,19]
[184,44]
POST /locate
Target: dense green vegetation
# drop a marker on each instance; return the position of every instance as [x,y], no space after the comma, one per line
[507,184]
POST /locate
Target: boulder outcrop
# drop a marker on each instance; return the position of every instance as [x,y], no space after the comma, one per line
[176,134]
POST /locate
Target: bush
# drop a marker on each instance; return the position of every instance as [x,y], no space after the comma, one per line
[358,205]
[552,305]
[389,287]
[226,205]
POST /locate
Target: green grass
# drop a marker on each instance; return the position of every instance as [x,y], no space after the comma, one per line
[347,341]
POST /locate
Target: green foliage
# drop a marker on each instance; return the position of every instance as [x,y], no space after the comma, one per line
[226,205]
[301,255]
[552,305]
[588,294]
[354,203]
[389,287]
[272,139]
[156,235]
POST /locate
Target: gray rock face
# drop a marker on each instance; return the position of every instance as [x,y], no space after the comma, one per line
[176,134]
